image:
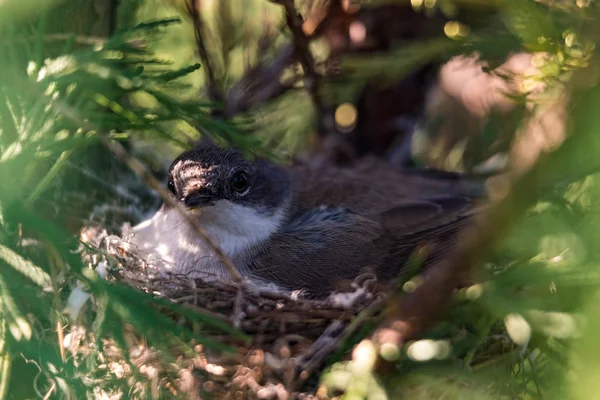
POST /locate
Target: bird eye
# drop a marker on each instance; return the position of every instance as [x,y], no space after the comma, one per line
[239,182]
[171,186]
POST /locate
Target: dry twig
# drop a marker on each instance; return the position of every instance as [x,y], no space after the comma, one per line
[290,338]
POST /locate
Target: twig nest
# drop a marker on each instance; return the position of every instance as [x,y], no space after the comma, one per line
[290,336]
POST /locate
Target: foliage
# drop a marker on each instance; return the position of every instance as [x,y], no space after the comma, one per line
[53,112]
[526,330]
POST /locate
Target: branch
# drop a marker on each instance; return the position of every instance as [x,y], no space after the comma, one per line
[302,50]
[63,37]
[261,83]
[193,11]
[144,173]
[410,314]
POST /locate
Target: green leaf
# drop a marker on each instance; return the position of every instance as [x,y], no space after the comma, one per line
[533,23]
[25,267]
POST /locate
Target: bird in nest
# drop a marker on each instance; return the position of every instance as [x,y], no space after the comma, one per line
[302,227]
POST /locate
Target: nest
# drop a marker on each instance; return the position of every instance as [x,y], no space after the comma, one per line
[288,338]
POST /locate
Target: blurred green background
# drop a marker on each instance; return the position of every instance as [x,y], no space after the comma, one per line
[75,75]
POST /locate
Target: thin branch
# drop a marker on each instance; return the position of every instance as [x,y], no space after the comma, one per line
[302,50]
[144,173]
[50,391]
[309,362]
[260,84]
[410,314]
[63,37]
[317,18]
[193,11]
[300,40]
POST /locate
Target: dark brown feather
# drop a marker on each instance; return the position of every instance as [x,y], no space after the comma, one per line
[389,214]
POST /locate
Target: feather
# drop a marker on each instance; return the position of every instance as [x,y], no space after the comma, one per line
[344,222]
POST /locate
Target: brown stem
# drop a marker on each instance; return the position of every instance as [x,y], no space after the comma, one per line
[261,83]
[410,314]
[193,11]
[302,50]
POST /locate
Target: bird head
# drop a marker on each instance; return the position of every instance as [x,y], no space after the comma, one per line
[221,186]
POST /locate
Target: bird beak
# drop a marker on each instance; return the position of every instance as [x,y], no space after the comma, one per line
[198,199]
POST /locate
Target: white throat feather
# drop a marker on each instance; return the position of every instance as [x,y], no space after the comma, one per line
[169,242]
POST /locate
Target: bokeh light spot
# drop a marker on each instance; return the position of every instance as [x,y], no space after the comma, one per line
[422,350]
[345,117]
[474,292]
[412,284]
[518,328]
[357,32]
[454,29]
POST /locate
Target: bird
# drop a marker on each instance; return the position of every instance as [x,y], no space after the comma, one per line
[302,227]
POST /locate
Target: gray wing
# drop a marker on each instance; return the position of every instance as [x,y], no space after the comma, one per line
[431,224]
[327,247]
[375,187]
[318,250]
